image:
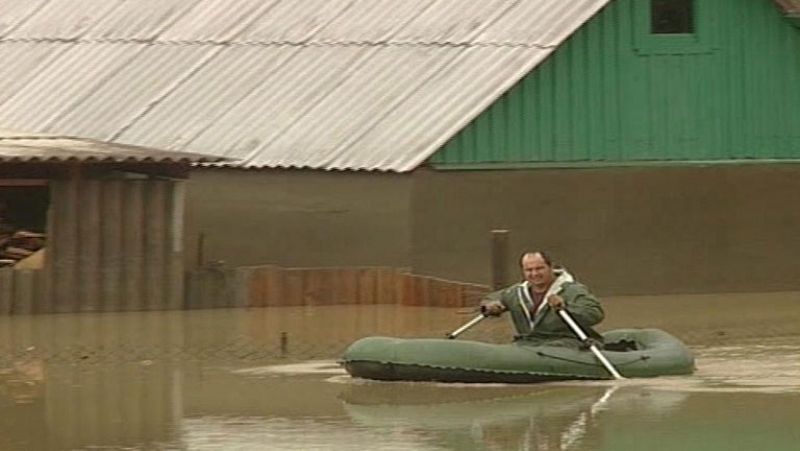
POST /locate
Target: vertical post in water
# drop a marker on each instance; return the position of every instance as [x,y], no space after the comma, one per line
[500,277]
[284,344]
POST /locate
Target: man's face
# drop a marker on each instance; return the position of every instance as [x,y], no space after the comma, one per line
[536,271]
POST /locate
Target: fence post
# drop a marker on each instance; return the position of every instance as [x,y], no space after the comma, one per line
[500,277]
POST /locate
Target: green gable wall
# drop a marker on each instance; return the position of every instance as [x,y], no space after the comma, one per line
[609,95]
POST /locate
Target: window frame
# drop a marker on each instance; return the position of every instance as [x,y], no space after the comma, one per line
[648,43]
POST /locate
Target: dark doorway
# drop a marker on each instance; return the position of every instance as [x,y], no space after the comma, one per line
[23,223]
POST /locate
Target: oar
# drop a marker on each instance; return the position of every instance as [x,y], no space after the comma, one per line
[585,339]
[463,328]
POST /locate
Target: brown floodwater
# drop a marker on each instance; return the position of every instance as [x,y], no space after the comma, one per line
[256,379]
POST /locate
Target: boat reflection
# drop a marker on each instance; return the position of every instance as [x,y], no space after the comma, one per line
[551,417]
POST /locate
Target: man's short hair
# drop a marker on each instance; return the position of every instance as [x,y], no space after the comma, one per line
[542,254]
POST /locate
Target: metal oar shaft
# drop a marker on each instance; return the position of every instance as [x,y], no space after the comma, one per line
[463,328]
[584,338]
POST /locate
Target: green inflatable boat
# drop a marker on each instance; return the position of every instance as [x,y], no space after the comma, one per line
[641,353]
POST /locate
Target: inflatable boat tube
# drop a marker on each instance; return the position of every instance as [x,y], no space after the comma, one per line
[650,353]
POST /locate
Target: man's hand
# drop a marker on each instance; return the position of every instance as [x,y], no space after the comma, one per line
[493,309]
[556,302]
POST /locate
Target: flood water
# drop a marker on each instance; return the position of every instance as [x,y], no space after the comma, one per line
[267,379]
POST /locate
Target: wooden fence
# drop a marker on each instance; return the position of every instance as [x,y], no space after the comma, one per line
[24,292]
[271,286]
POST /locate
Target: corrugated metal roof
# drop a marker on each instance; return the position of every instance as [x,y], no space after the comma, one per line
[30,147]
[357,84]
[789,6]
[62,19]
[16,13]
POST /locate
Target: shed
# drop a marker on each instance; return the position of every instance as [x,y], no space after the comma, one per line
[105,221]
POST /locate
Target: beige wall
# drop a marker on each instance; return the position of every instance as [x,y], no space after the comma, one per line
[298,218]
[623,230]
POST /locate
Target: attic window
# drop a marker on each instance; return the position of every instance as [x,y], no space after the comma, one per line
[672,16]
[674,27]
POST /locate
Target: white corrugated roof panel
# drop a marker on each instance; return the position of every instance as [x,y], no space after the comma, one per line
[63,19]
[139,19]
[295,22]
[202,100]
[455,21]
[533,24]
[343,84]
[376,21]
[30,59]
[81,68]
[383,76]
[131,92]
[215,20]
[13,14]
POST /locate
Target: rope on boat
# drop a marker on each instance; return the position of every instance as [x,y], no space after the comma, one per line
[542,354]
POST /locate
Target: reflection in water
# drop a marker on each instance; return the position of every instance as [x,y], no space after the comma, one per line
[89,380]
[314,367]
[576,431]
[552,418]
[117,406]
[208,380]
[259,433]
[22,401]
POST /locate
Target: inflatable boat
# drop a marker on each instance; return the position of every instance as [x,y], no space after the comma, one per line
[638,353]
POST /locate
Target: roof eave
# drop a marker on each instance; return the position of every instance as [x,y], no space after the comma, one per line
[70,149]
[788,7]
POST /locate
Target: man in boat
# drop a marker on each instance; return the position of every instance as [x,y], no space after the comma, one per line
[533,303]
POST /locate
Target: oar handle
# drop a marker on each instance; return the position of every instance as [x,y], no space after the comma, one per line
[463,328]
[584,338]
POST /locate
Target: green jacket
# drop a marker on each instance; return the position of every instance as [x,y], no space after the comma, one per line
[584,308]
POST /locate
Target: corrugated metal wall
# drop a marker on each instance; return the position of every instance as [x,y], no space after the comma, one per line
[599,100]
[20,290]
[114,245]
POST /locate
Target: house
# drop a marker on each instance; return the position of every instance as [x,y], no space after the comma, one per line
[651,145]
